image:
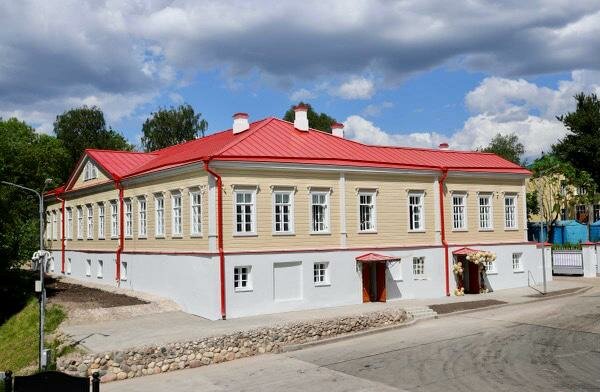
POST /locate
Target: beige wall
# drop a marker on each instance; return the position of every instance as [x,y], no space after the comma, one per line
[497,188]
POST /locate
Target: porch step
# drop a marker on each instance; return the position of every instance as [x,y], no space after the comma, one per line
[421,312]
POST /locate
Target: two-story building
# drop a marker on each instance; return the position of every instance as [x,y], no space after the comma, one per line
[272,216]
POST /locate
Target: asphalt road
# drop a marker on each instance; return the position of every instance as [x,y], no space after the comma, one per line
[551,345]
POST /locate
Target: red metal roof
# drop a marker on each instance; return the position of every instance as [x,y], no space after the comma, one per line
[465,251]
[275,140]
[375,257]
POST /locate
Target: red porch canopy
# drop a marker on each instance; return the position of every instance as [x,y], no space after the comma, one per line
[376,258]
[465,251]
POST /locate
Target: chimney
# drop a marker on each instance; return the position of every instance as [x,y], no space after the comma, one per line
[240,123]
[301,119]
[444,146]
[337,129]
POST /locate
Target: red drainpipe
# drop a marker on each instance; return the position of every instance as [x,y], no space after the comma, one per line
[220,236]
[62,239]
[443,229]
[119,186]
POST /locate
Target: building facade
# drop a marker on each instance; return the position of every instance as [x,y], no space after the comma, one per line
[272,216]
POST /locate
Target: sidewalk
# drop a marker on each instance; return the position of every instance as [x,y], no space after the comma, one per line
[177,326]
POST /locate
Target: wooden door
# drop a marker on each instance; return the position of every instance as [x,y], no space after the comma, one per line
[473,278]
[366,278]
[381,293]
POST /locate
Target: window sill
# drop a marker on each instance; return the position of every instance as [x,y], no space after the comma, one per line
[417,231]
[243,290]
[123,279]
[142,237]
[320,233]
[177,236]
[128,237]
[460,230]
[423,278]
[276,234]
[322,284]
[484,230]
[99,277]
[511,229]
[88,275]
[114,237]
[160,237]
[245,235]
[101,238]
[367,232]
[492,273]
[518,271]
[196,235]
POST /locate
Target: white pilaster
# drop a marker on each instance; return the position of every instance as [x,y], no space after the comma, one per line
[212,214]
[436,211]
[523,202]
[342,191]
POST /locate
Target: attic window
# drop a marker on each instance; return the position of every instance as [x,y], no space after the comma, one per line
[90,172]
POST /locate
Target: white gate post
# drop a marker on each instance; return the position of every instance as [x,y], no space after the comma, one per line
[589,259]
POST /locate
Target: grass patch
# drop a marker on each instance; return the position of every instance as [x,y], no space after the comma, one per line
[19,343]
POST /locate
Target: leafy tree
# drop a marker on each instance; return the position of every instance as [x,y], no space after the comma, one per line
[533,203]
[557,184]
[168,127]
[84,127]
[320,121]
[581,147]
[507,146]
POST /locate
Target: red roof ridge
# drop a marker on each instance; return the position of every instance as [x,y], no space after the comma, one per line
[191,141]
[245,136]
[118,151]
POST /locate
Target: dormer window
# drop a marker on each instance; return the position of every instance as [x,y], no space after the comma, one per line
[90,172]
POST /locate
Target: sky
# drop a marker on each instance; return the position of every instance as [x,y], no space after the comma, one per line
[409,72]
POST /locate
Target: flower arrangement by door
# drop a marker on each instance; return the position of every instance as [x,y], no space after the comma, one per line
[477,261]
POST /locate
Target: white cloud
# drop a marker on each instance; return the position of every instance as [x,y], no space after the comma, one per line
[375,109]
[498,106]
[355,88]
[302,95]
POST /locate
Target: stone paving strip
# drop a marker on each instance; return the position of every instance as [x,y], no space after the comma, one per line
[137,362]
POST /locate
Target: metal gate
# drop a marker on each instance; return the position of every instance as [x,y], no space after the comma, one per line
[567,262]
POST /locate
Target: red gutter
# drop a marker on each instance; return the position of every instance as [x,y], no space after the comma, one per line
[62,237]
[220,236]
[119,186]
[443,229]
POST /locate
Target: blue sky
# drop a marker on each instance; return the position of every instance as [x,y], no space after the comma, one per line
[397,73]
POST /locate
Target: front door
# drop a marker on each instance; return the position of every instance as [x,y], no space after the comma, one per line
[473,276]
[373,277]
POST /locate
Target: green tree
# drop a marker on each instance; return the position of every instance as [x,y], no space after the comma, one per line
[581,146]
[168,127]
[320,121]
[558,185]
[84,127]
[507,146]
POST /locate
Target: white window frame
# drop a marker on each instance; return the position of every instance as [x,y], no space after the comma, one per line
[490,267]
[373,212]
[114,219]
[418,273]
[321,273]
[519,257]
[124,271]
[483,196]
[290,214]
[421,211]
[79,222]
[515,215]
[457,213]
[128,207]
[88,267]
[176,214]
[238,272]
[90,221]
[101,220]
[100,269]
[252,205]
[326,210]
[159,216]
[69,223]
[195,213]
[54,225]
[48,225]
[90,171]
[68,269]
[142,217]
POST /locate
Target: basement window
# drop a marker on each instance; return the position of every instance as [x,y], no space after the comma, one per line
[242,278]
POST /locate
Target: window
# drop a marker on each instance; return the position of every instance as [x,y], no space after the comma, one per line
[459,218]
[114,219]
[123,270]
[596,212]
[128,219]
[88,267]
[510,212]
[68,269]
[283,221]
[54,225]
[490,267]
[176,216]
[99,272]
[516,262]
[244,212]
[415,211]
[79,223]
[320,274]
[367,211]
[100,221]
[142,217]
[241,279]
[48,226]
[159,205]
[196,213]
[90,171]
[581,212]
[418,267]
[90,222]
[485,212]
[69,223]
[319,212]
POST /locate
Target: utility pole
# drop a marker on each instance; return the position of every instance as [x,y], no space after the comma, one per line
[42,261]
